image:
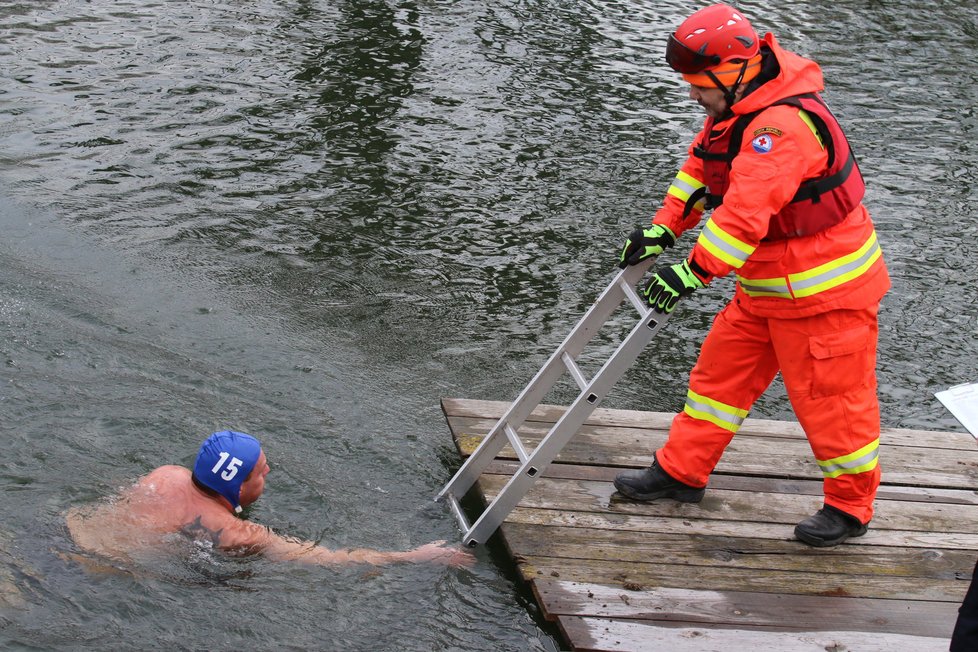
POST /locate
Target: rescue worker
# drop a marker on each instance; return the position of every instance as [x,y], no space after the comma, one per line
[775,168]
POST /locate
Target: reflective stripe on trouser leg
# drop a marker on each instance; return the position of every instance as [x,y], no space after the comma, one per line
[728,417]
[735,366]
[828,363]
[864,459]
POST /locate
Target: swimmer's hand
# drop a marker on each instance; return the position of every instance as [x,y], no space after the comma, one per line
[439,552]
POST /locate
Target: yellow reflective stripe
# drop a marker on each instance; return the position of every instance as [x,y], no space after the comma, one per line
[818,279]
[724,246]
[765,287]
[726,416]
[864,459]
[683,187]
[807,119]
[835,273]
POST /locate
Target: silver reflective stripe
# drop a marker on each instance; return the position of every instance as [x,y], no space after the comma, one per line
[818,279]
[683,188]
[864,459]
[725,247]
[775,287]
[706,409]
[805,284]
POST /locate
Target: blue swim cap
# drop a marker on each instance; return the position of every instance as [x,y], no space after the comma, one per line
[224,461]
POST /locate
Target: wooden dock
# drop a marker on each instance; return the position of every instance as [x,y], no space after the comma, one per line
[726,574]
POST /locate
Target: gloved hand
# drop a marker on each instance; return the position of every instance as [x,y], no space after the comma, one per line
[668,286]
[645,243]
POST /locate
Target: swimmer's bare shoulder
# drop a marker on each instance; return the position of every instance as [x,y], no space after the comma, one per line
[179,506]
[165,501]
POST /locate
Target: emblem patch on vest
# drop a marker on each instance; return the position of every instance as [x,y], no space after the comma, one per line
[762,144]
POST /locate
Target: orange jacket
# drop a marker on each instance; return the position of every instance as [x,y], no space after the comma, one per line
[839,267]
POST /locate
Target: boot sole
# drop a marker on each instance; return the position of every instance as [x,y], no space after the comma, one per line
[816,542]
[680,495]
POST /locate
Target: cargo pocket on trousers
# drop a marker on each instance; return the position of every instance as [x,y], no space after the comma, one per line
[840,361]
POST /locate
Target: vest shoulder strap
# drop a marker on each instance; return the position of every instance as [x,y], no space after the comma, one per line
[740,126]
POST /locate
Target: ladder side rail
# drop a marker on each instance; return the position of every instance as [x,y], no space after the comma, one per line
[456,508]
[566,427]
[608,301]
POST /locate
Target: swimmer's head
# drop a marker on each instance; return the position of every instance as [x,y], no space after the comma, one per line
[225,460]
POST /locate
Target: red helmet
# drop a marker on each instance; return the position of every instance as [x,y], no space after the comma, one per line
[710,37]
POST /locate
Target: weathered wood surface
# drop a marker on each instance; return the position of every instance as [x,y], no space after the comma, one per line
[726,574]
[600,634]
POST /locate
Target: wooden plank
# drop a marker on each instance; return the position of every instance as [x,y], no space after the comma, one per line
[720,504]
[759,531]
[493,410]
[550,413]
[752,483]
[604,634]
[647,575]
[745,553]
[653,436]
[737,609]
[701,527]
[609,446]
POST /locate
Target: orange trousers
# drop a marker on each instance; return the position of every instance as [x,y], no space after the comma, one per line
[828,364]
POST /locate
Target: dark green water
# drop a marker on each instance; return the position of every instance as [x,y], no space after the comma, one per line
[311,220]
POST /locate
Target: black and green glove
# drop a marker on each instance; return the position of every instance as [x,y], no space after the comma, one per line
[671,284]
[645,243]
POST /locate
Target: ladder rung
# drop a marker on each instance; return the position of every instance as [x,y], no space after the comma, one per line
[574,371]
[516,443]
[640,304]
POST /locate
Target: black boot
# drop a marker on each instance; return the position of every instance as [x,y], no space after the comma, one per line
[653,483]
[829,526]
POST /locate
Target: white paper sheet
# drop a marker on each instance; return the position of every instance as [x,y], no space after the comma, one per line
[962,402]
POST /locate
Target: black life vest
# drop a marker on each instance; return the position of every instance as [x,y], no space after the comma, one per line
[819,203]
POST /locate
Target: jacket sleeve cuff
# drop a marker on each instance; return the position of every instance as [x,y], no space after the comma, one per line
[666,216]
[702,274]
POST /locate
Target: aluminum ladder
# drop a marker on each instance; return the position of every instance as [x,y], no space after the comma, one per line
[593,391]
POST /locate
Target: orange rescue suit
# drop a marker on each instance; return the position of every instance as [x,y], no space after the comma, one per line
[804,305]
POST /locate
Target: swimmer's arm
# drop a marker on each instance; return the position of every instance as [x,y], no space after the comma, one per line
[307,552]
[251,536]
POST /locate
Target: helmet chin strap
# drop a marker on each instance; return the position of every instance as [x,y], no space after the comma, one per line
[729,94]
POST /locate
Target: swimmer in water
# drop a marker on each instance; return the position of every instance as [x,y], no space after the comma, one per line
[204,504]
